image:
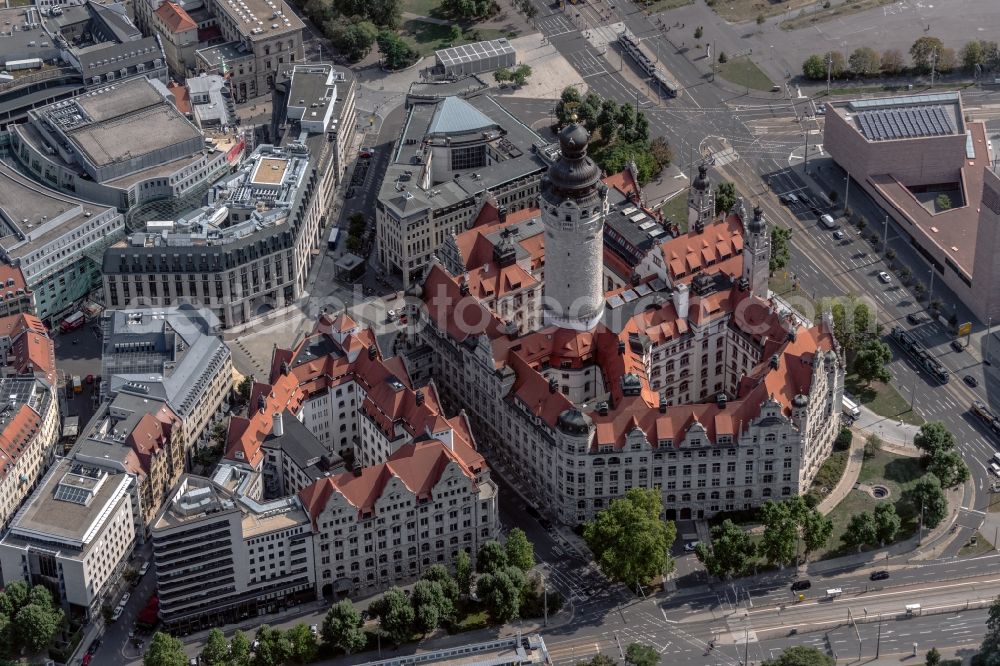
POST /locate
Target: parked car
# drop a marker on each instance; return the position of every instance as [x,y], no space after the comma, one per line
[690,546]
[94,646]
[879,575]
[124,599]
[838,235]
[971,381]
[314,630]
[916,318]
[86,660]
[800,585]
[957,346]
[117,613]
[144,568]
[884,277]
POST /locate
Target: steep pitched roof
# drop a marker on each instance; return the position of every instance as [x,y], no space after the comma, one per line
[175,18]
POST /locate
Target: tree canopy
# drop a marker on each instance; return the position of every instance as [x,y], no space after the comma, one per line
[432,606]
[396,615]
[342,627]
[725,197]
[396,54]
[501,590]
[926,496]
[629,540]
[520,551]
[780,250]
[732,551]
[639,654]
[801,655]
[925,52]
[164,650]
[463,572]
[29,617]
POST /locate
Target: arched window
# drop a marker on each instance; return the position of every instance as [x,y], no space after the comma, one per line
[766,492]
[701,496]
[748,492]
[686,497]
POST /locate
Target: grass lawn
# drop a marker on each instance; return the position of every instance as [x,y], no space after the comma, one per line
[743,72]
[898,474]
[657,6]
[422,7]
[737,11]
[807,18]
[883,399]
[426,37]
[676,210]
[982,547]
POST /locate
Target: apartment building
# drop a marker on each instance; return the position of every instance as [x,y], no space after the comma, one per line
[221,557]
[169,358]
[453,155]
[29,430]
[15,296]
[74,535]
[51,245]
[179,36]
[693,380]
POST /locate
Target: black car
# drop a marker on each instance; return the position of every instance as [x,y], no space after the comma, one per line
[916,318]
[800,585]
[94,646]
[545,522]
[957,345]
[783,198]
[879,575]
[971,381]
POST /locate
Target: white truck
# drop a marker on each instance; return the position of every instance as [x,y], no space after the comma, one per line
[851,408]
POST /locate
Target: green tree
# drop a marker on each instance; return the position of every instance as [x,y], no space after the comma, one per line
[973,53]
[431,605]
[164,650]
[925,51]
[780,251]
[455,33]
[816,530]
[607,120]
[947,60]
[698,32]
[989,651]
[943,202]
[861,531]
[491,557]
[302,646]
[439,574]
[239,649]
[638,654]
[892,62]
[661,151]
[865,61]
[814,67]
[933,657]
[501,592]
[873,444]
[629,540]
[273,647]
[396,54]
[342,627]
[780,538]
[836,62]
[502,75]
[927,497]
[243,389]
[463,572]
[871,361]
[725,197]
[732,551]
[521,74]
[598,660]
[28,618]
[887,523]
[801,655]
[567,105]
[216,650]
[520,551]
[760,19]
[396,615]
[948,467]
[932,437]
[354,41]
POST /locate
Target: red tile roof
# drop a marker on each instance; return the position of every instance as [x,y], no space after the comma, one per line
[175,18]
[32,351]
[16,436]
[418,466]
[182,98]
[461,315]
[693,251]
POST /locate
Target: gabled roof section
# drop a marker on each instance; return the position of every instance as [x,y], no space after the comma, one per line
[175,18]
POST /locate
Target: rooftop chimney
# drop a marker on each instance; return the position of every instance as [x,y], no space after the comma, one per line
[602,408]
[419,398]
[663,404]
[621,347]
[720,400]
[284,368]
[553,385]
[775,361]
[372,352]
[277,425]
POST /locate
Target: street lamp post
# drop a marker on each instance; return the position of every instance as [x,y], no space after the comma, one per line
[930,292]
[885,233]
[847,190]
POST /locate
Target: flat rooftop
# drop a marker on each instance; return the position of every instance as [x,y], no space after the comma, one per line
[269,171]
[71,499]
[227,52]
[905,117]
[261,19]
[118,100]
[139,133]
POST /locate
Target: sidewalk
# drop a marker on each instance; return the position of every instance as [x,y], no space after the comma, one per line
[897,437]
[855,457]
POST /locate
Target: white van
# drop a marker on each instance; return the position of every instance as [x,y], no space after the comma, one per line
[828,221]
[996,457]
[995,468]
[851,408]
[835,592]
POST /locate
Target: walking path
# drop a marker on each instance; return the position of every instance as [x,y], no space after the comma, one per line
[855,457]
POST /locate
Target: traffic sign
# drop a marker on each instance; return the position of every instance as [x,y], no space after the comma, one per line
[965,329]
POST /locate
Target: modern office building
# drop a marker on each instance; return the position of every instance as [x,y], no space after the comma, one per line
[931,171]
[222,557]
[74,535]
[692,379]
[51,245]
[453,156]
[123,145]
[79,46]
